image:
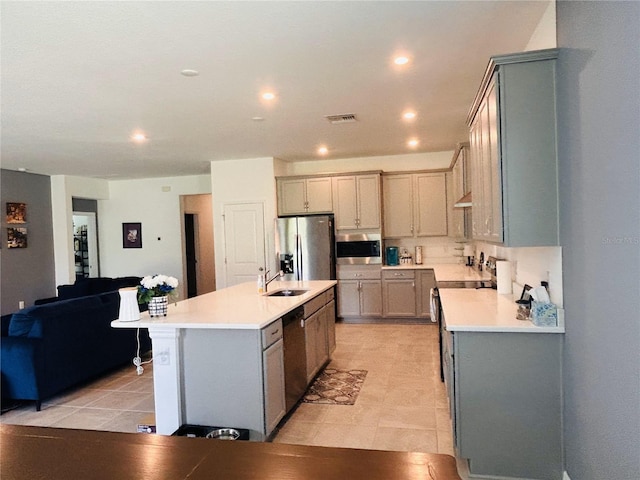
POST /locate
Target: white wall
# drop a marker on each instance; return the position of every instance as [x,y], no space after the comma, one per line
[388,163]
[544,36]
[243,181]
[154,202]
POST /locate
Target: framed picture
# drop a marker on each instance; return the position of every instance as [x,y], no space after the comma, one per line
[16,237]
[132,235]
[16,212]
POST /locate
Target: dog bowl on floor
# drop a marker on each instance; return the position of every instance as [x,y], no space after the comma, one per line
[224,434]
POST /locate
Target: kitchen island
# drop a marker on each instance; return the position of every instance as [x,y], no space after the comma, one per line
[503,378]
[218,357]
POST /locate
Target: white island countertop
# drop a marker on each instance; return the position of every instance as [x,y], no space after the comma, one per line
[484,310]
[446,272]
[237,307]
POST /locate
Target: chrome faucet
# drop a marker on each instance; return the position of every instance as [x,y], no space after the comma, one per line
[267,282]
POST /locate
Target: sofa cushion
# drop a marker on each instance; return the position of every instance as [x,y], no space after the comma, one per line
[66,292]
[5,321]
[20,324]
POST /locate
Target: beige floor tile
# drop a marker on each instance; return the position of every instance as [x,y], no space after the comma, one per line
[445,443]
[356,415]
[117,400]
[310,412]
[126,422]
[443,420]
[77,398]
[87,418]
[408,417]
[344,436]
[410,397]
[297,433]
[406,440]
[44,418]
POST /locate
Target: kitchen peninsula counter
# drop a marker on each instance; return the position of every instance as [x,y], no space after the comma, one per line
[218,359]
[236,307]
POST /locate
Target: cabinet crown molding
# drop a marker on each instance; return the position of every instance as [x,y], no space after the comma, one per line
[496,61]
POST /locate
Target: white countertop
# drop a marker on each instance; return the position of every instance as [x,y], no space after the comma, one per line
[484,310]
[237,307]
[446,272]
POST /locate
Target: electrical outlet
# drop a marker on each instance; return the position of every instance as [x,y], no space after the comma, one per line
[163,358]
[21,304]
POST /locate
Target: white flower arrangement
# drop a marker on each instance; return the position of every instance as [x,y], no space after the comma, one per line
[156,286]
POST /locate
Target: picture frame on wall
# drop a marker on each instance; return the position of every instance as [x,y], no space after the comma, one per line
[16,212]
[16,237]
[132,235]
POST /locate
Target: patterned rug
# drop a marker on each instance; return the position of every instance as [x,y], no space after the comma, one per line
[336,387]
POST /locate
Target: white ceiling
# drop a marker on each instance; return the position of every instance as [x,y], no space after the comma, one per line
[78,78]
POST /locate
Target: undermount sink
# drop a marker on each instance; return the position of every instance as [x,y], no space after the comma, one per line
[286,293]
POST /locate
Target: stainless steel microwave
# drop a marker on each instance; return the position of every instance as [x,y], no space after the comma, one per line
[358,248]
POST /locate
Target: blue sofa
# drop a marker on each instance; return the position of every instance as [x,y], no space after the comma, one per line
[48,348]
[90,286]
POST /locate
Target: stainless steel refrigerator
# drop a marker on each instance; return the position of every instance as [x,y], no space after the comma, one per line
[305,247]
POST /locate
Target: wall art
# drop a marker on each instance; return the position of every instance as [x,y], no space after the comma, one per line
[16,212]
[132,235]
[16,237]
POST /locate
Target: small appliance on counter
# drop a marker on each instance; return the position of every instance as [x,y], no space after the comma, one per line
[418,255]
[392,256]
[406,258]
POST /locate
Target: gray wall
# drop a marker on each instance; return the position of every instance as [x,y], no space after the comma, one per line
[27,273]
[599,151]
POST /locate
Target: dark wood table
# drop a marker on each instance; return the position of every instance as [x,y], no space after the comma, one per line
[53,453]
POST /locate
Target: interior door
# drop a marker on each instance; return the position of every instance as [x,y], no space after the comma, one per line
[244,240]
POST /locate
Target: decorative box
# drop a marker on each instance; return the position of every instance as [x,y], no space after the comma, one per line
[544,314]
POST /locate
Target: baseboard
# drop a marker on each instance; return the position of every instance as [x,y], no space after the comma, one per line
[565,476]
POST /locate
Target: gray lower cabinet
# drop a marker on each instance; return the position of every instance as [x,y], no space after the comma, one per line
[234,378]
[505,398]
[425,281]
[399,293]
[359,291]
[274,392]
[319,332]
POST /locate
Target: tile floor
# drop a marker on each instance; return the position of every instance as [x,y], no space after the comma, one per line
[402,405]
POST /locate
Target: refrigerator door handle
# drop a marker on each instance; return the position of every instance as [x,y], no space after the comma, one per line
[299,274]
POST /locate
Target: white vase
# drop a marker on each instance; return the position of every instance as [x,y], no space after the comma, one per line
[129,310]
[158,306]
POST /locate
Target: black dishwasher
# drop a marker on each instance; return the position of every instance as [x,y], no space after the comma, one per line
[295,357]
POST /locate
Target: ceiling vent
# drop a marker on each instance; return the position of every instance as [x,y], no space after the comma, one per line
[342,118]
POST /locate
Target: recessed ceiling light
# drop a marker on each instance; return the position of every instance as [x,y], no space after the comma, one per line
[268,96]
[257,119]
[401,60]
[139,137]
[189,73]
[413,143]
[323,150]
[22,169]
[409,115]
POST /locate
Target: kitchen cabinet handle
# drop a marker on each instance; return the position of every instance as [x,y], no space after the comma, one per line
[357,274]
[277,332]
[398,274]
[413,284]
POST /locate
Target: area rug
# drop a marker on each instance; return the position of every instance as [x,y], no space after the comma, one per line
[336,387]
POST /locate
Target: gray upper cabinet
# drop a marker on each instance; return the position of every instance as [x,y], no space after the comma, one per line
[304,195]
[415,204]
[513,151]
[357,201]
